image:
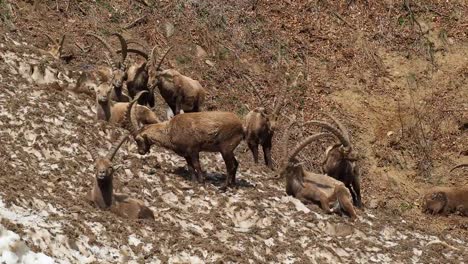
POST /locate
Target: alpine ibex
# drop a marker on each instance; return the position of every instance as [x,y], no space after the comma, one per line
[259,128]
[179,91]
[191,133]
[340,161]
[135,77]
[118,69]
[102,195]
[308,186]
[446,200]
[114,113]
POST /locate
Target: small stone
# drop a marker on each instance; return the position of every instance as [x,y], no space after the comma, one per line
[210,63]
[169,29]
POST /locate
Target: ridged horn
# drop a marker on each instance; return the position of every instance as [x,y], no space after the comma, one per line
[459,166]
[123,45]
[162,58]
[91,148]
[108,47]
[340,125]
[131,115]
[135,51]
[306,142]
[254,88]
[332,129]
[116,147]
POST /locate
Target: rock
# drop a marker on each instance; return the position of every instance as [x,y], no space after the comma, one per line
[200,52]
[210,63]
[169,27]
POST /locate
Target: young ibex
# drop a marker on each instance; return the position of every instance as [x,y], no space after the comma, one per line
[308,186]
[114,113]
[259,128]
[191,133]
[446,200]
[179,91]
[102,195]
[340,161]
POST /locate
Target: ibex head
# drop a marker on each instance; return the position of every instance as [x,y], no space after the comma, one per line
[140,137]
[104,170]
[153,69]
[119,69]
[56,47]
[103,93]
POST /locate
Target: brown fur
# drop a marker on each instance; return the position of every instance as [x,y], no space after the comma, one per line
[319,188]
[138,81]
[192,133]
[340,160]
[179,91]
[308,186]
[258,131]
[102,194]
[114,113]
[446,200]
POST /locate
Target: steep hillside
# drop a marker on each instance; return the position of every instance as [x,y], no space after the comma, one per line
[395,72]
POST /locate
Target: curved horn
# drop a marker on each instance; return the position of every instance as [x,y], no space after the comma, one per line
[285,139]
[123,45]
[306,142]
[254,88]
[91,148]
[151,57]
[459,166]
[162,59]
[131,116]
[50,38]
[340,125]
[108,47]
[138,52]
[330,128]
[116,147]
[60,48]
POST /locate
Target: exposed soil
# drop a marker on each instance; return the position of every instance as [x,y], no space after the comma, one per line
[399,84]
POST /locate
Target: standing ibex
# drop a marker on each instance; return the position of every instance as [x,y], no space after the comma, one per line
[191,133]
[135,77]
[114,113]
[340,161]
[102,194]
[308,186]
[259,128]
[179,91]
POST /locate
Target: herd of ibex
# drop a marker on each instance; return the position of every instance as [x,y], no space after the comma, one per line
[190,131]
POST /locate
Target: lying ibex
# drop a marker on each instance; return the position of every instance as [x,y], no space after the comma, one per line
[312,187]
[191,133]
[102,195]
[340,161]
[114,113]
[179,91]
[446,200]
[259,128]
